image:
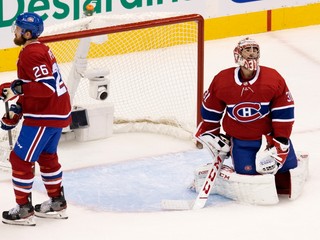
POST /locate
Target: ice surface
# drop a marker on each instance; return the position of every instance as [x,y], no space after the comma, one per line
[114,186]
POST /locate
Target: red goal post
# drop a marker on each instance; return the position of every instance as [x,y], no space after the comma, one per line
[155,64]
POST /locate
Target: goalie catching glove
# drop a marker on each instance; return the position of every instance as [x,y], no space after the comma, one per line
[11,121]
[274,156]
[217,143]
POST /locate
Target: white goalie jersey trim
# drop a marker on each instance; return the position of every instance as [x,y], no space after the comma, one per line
[257,189]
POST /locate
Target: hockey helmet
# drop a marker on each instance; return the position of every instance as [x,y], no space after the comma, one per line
[29,21]
[248,63]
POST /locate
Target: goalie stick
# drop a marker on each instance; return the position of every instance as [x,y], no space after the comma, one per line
[203,195]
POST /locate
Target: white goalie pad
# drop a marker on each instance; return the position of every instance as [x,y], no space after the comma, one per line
[259,189]
[252,189]
[299,175]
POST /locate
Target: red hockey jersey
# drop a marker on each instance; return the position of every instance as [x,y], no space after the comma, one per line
[45,100]
[249,109]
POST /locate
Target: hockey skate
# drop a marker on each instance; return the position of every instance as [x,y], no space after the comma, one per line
[53,208]
[20,215]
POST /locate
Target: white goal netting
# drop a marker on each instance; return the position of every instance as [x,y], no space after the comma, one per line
[155,66]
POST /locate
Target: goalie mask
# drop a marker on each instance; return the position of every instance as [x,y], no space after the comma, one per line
[247,54]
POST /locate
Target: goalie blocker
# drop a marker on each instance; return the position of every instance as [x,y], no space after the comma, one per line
[255,189]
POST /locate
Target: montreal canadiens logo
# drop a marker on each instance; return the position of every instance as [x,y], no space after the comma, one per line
[30,19]
[247,111]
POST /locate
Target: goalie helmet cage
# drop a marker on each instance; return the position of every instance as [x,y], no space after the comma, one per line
[155,65]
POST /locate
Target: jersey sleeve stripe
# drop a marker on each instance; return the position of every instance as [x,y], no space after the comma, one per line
[283,114]
[210,115]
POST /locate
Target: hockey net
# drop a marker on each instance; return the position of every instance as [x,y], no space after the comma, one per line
[154,63]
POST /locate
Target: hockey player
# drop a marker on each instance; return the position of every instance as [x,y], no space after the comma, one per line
[251,101]
[42,99]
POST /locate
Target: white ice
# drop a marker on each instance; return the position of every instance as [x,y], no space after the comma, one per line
[138,169]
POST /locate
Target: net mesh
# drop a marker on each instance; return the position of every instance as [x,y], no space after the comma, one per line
[153,68]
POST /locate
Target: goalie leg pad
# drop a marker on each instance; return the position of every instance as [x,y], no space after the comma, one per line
[299,175]
[251,189]
[255,189]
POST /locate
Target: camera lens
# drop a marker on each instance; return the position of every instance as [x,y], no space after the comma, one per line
[102,93]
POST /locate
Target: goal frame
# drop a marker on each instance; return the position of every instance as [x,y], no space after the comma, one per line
[142,25]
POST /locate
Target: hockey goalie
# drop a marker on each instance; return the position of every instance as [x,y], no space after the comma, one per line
[253,106]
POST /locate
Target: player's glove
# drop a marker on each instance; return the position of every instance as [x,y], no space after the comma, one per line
[10,90]
[274,156]
[11,121]
[216,143]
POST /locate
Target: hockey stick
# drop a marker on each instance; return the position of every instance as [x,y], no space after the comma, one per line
[4,156]
[203,195]
[9,131]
